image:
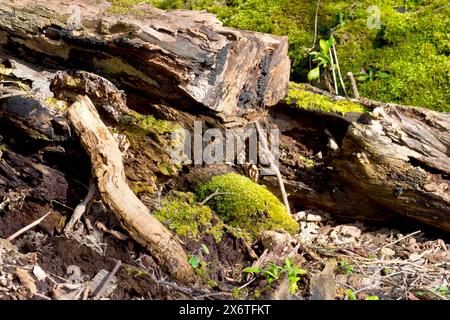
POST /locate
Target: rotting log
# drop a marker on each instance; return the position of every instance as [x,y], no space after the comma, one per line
[132,214]
[392,164]
[184,57]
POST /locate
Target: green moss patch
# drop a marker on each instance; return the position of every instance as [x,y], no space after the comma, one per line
[304,99]
[182,214]
[412,44]
[246,205]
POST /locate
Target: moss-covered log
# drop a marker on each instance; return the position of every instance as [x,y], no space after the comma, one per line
[183,57]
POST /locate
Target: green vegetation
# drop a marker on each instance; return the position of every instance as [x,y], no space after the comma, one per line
[182,214]
[148,124]
[345,267]
[322,58]
[273,272]
[56,104]
[246,205]
[304,99]
[352,296]
[412,45]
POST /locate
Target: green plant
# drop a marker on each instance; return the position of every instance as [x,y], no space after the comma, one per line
[322,58]
[194,262]
[345,267]
[273,272]
[351,295]
[293,272]
[371,74]
[443,291]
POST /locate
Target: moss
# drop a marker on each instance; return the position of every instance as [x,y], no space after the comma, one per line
[126,6]
[309,163]
[412,45]
[142,130]
[304,99]
[149,124]
[182,214]
[142,187]
[56,104]
[246,205]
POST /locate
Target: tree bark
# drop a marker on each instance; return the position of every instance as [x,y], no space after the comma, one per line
[181,56]
[392,164]
[132,214]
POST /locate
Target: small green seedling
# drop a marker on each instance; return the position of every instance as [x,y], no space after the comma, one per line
[322,58]
[194,262]
[273,272]
[345,267]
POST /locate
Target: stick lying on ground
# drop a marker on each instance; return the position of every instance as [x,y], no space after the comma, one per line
[28,227]
[134,216]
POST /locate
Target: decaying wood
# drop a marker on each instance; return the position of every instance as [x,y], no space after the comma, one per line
[265,148]
[134,217]
[179,56]
[392,164]
[80,209]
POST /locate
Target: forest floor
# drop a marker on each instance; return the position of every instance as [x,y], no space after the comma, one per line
[342,261]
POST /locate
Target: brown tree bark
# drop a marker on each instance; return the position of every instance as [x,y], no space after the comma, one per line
[182,57]
[392,164]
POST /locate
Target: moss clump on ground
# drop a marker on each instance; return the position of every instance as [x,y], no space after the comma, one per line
[182,214]
[246,205]
[304,99]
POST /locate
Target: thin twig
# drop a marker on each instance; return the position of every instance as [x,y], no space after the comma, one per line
[28,227]
[42,296]
[334,72]
[339,70]
[215,193]
[353,84]
[315,26]
[401,239]
[81,208]
[273,166]
[107,280]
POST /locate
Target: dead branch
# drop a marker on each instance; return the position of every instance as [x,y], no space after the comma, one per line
[80,209]
[273,166]
[133,215]
[28,227]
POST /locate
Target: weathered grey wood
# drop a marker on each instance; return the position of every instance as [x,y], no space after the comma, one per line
[109,174]
[391,164]
[180,56]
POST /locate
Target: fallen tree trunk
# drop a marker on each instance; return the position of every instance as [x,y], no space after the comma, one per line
[132,214]
[391,164]
[182,57]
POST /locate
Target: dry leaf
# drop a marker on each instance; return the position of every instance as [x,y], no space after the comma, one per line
[39,273]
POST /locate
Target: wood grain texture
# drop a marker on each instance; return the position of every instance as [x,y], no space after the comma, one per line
[132,214]
[181,56]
